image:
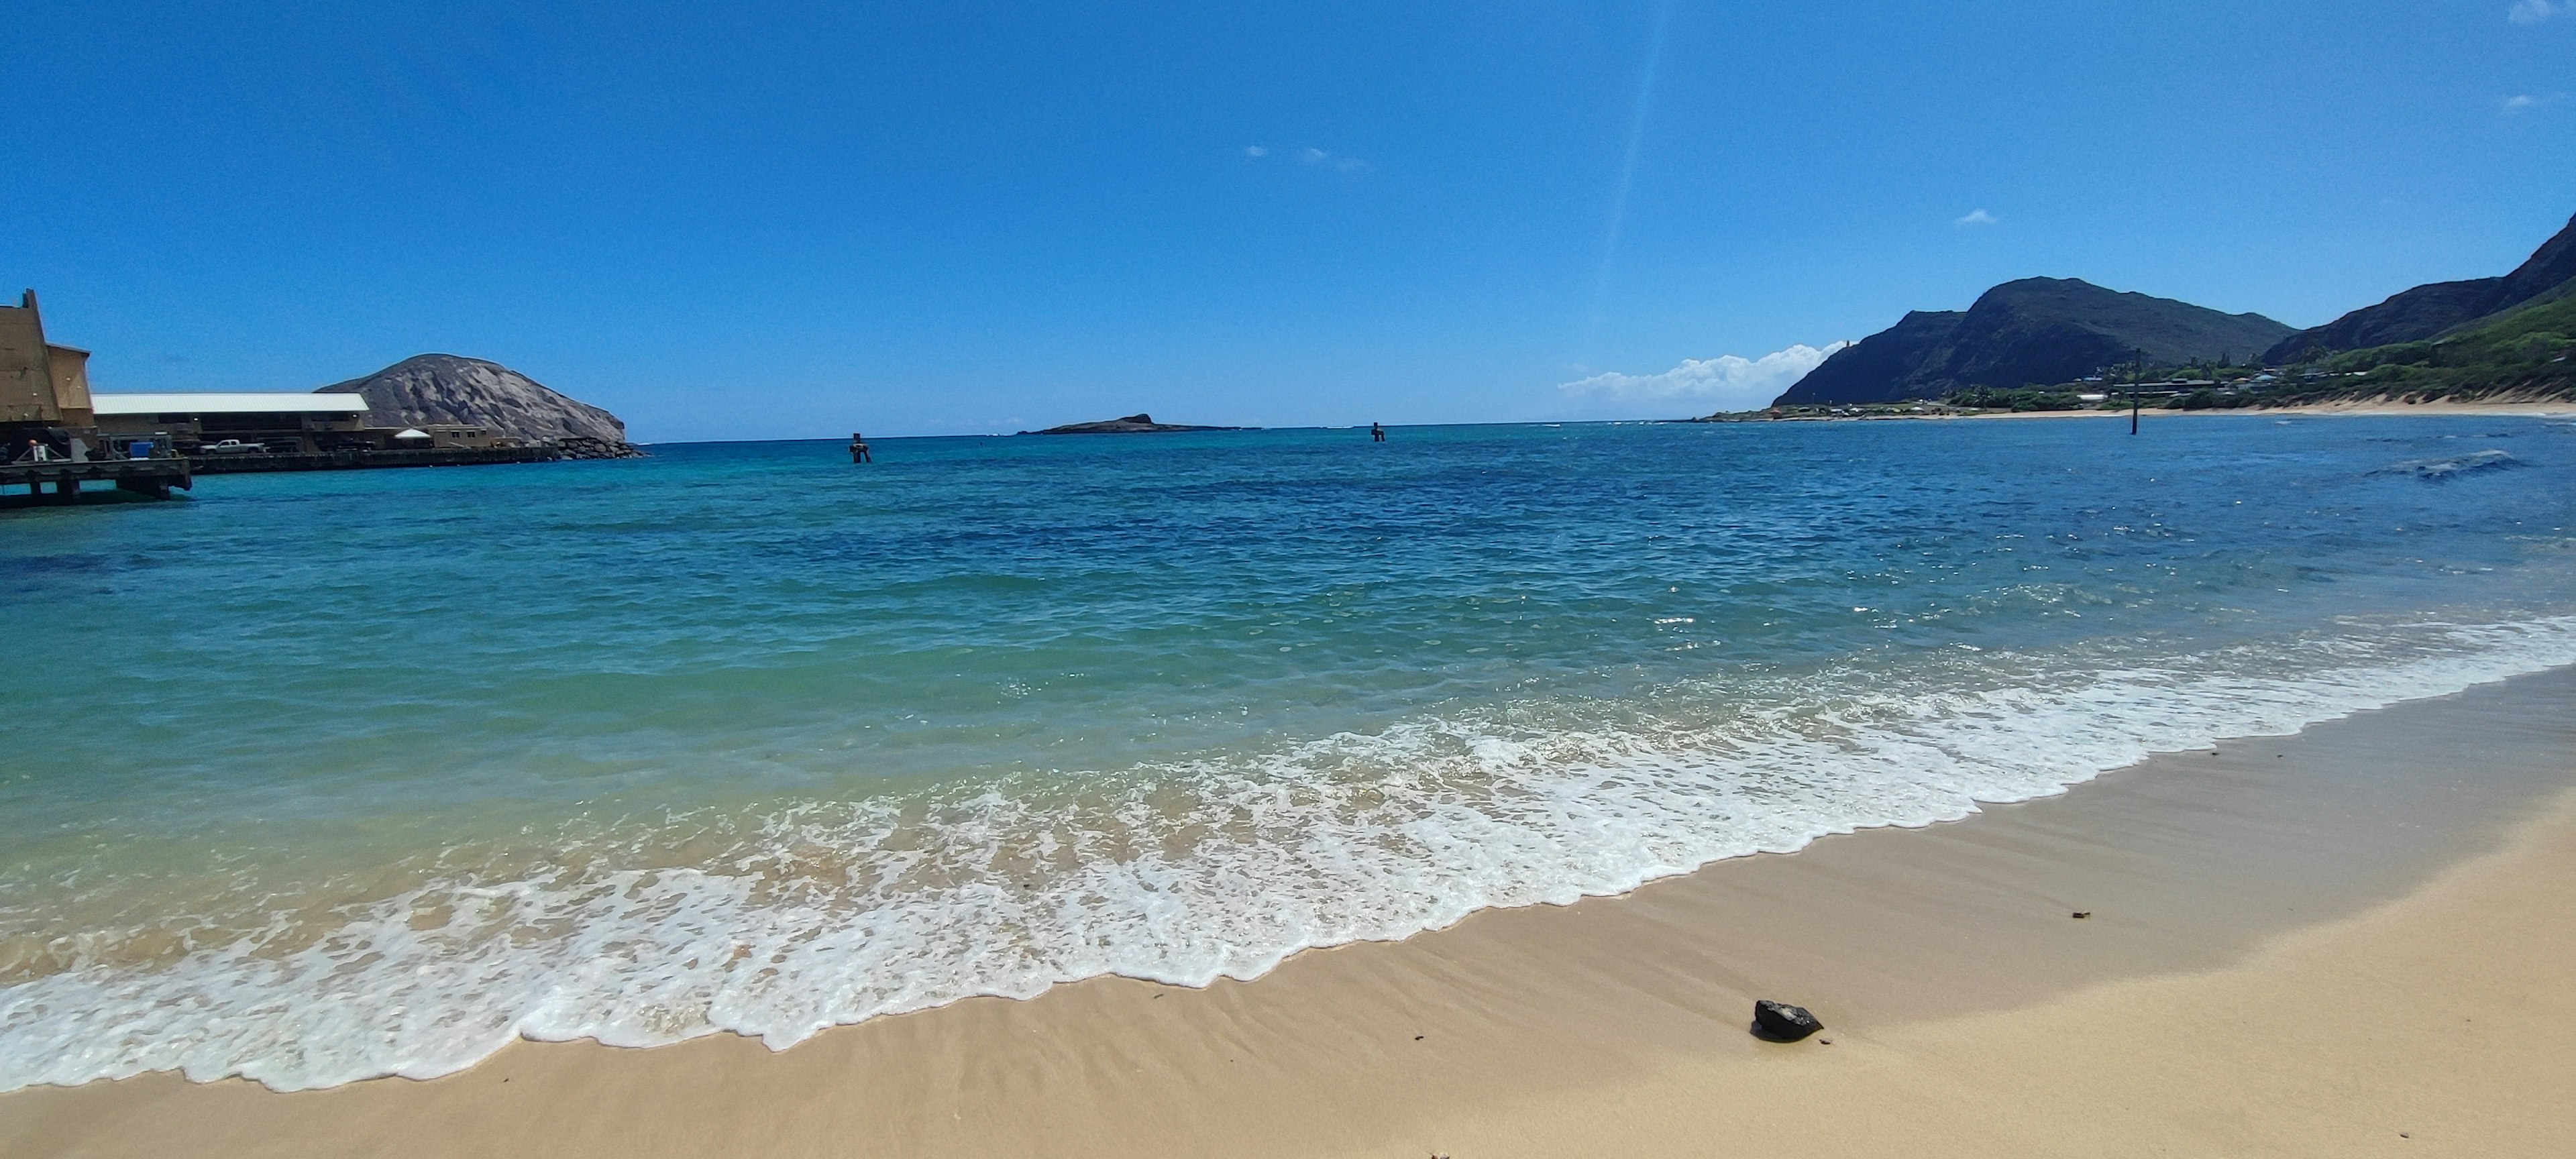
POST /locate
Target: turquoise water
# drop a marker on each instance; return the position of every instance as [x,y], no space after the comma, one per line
[317,777]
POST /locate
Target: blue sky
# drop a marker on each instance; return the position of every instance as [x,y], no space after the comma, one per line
[915,219]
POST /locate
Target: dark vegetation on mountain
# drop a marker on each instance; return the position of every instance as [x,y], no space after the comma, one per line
[443,388]
[2427,310]
[2045,344]
[2523,352]
[2036,330]
[1135,424]
[1878,368]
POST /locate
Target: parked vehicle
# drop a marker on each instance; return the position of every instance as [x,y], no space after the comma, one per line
[233,447]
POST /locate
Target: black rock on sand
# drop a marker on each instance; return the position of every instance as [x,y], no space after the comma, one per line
[1782,1022]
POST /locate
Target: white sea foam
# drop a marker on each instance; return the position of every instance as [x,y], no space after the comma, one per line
[830,913]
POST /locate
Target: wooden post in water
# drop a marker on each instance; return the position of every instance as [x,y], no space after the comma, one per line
[2137,370]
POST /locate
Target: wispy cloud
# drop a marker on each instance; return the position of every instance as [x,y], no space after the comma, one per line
[2535,11]
[1316,157]
[1974,217]
[1726,382]
[1324,160]
[2527,101]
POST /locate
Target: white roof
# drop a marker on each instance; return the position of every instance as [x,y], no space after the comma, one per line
[217,404]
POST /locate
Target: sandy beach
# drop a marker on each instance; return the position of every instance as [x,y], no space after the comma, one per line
[2349,941]
[2354,407]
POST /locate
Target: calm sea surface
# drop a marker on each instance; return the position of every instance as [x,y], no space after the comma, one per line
[311,778]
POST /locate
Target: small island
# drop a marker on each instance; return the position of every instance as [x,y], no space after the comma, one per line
[1135,424]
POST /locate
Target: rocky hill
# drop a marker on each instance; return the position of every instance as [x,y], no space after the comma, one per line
[443,388]
[2044,330]
[2430,309]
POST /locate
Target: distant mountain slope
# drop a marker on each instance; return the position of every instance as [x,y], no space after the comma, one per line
[2526,352]
[2033,330]
[443,388]
[2430,309]
[1864,370]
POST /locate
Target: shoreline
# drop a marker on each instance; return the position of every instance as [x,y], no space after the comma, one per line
[2196,866]
[2347,408]
[2354,407]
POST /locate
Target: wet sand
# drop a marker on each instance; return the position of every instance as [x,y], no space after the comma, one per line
[2303,945]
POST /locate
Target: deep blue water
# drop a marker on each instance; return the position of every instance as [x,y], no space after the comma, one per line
[321,776]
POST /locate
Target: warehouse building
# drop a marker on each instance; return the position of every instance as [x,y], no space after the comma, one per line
[278,423]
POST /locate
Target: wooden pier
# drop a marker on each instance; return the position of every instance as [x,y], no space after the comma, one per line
[59,480]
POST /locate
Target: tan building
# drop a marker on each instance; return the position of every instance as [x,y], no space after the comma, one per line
[40,384]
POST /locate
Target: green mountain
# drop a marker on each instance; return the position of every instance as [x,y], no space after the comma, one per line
[2430,309]
[2043,330]
[2526,351]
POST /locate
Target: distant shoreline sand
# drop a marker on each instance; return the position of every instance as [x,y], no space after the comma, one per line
[2349,941]
[2363,407]
[2370,407]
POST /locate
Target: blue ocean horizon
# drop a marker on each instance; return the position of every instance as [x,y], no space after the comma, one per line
[377,771]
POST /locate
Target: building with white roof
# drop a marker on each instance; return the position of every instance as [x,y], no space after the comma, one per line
[279,421]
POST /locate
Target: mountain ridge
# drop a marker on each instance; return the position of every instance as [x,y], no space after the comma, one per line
[2430,309]
[2024,331]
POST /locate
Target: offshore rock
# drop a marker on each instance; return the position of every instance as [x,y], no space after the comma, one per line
[2451,466]
[1782,1022]
[443,388]
[1135,424]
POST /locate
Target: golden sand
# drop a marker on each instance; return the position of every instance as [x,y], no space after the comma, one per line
[2354,941]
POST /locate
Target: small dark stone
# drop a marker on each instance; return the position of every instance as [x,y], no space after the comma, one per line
[1782,1022]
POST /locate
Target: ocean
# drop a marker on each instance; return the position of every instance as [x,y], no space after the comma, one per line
[311,778]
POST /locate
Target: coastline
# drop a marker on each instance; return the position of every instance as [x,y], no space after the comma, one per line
[2349,407]
[2325,878]
[2526,408]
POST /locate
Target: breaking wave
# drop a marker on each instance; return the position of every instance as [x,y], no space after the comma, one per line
[783,921]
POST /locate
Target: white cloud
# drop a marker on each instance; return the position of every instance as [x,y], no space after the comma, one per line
[1726,382]
[1322,159]
[1974,217]
[2516,104]
[2535,11]
[1255,151]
